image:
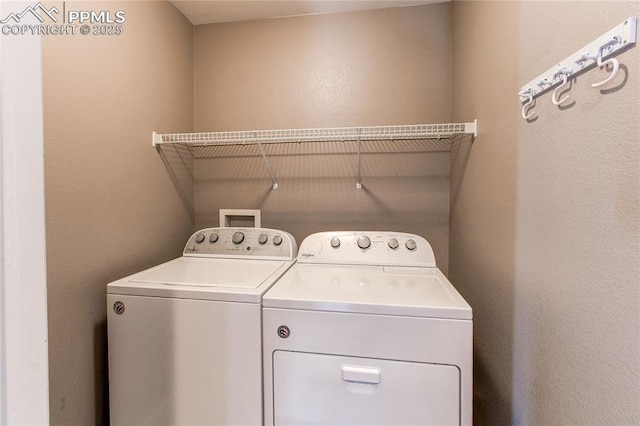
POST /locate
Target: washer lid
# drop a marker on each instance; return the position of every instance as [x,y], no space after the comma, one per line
[413,291]
[199,272]
[204,278]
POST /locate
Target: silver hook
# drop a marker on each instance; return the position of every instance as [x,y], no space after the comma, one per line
[544,82]
[526,115]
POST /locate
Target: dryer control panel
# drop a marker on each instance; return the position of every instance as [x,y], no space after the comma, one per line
[255,243]
[367,248]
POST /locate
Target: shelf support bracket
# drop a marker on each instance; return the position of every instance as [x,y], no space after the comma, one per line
[156,140]
[472,128]
[359,183]
[274,182]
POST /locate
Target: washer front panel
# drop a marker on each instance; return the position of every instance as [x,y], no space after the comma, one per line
[183,362]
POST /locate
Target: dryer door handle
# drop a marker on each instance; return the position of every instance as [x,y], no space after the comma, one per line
[361,374]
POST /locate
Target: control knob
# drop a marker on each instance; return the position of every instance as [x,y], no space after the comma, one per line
[393,244]
[364,242]
[277,240]
[213,238]
[262,239]
[237,237]
[199,237]
[410,245]
[335,242]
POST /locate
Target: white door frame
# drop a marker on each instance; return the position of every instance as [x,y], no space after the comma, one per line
[24,375]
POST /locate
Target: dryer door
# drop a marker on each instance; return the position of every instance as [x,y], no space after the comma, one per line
[338,390]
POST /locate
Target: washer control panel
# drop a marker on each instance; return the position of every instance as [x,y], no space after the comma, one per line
[260,243]
[367,248]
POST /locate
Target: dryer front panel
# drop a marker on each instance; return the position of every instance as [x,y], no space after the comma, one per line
[421,353]
[324,389]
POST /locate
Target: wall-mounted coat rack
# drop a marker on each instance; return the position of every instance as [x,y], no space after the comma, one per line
[333,134]
[611,43]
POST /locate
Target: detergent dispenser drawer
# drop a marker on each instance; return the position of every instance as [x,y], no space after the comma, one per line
[341,390]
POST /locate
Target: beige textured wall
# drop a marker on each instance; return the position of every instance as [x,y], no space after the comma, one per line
[378,67]
[545,228]
[111,206]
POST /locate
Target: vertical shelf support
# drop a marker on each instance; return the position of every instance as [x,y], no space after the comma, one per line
[359,183]
[274,182]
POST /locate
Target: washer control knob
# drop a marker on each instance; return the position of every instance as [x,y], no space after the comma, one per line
[213,238]
[277,240]
[410,245]
[335,242]
[364,242]
[237,237]
[199,237]
[262,239]
[393,244]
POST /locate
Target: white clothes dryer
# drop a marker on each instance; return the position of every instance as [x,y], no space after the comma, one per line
[185,336]
[365,330]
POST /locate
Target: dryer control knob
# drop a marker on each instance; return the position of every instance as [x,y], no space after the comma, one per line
[277,240]
[237,237]
[335,242]
[364,242]
[410,245]
[262,239]
[199,237]
[213,238]
[393,244]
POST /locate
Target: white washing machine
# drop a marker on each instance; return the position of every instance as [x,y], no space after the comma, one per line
[365,330]
[185,336]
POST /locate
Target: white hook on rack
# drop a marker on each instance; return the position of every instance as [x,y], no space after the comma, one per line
[526,106]
[565,80]
[604,49]
[616,66]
